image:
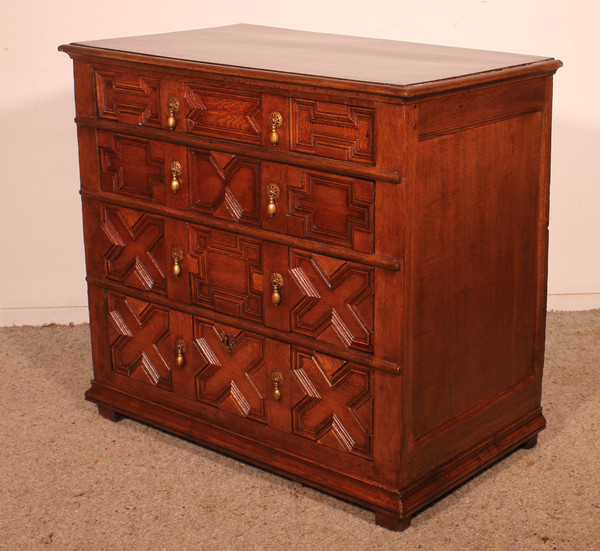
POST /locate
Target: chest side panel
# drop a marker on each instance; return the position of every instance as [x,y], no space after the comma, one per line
[475,244]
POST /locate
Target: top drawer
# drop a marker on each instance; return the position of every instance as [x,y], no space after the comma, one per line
[322,128]
[146,100]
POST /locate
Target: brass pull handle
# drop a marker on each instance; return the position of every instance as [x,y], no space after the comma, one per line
[277,282]
[277,379]
[180,345]
[175,172]
[275,120]
[177,254]
[173,105]
[273,193]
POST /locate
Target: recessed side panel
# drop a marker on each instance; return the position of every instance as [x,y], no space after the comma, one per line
[474,276]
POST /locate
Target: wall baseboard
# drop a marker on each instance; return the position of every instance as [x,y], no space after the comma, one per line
[79,314]
[574,301]
[42,316]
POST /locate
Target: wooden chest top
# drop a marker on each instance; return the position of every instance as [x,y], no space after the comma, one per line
[382,66]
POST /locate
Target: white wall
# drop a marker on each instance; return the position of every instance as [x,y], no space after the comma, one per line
[41,251]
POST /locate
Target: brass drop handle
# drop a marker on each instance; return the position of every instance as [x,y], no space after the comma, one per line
[180,345]
[275,120]
[273,193]
[177,254]
[173,105]
[175,173]
[277,282]
[277,379]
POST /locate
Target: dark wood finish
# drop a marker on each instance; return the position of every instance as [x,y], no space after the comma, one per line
[132,246]
[333,130]
[249,150]
[401,351]
[326,207]
[392,522]
[376,66]
[223,113]
[109,414]
[272,332]
[128,98]
[330,299]
[224,185]
[531,443]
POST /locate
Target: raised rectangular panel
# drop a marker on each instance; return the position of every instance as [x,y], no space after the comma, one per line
[223,113]
[226,272]
[333,130]
[131,166]
[224,185]
[139,340]
[331,299]
[230,370]
[332,402]
[331,208]
[128,97]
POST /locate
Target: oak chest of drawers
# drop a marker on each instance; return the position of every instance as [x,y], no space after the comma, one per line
[323,255]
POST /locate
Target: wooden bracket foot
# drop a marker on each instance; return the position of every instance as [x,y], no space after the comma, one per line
[109,414]
[392,522]
[531,443]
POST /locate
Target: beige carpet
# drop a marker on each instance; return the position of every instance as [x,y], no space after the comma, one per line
[70,480]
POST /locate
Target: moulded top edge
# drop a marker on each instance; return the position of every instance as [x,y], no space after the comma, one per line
[403,68]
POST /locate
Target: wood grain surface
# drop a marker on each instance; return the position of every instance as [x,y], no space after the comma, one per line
[375,328]
[404,65]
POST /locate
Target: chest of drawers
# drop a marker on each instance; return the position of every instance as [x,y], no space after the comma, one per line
[323,255]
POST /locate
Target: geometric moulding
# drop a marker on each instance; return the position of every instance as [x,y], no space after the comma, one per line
[138,332]
[333,402]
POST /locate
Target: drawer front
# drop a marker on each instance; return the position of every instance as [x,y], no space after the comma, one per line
[320,407]
[321,297]
[300,202]
[326,129]
[200,108]
[333,130]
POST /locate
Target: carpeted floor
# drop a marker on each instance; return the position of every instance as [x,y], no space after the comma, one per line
[70,480]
